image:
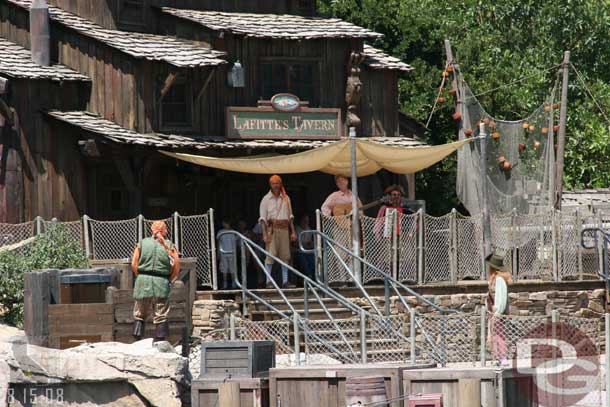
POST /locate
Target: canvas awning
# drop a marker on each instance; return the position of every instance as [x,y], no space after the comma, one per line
[333,159]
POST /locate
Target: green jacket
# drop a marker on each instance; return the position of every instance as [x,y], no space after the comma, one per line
[154,269]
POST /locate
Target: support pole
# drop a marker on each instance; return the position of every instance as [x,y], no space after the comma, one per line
[86,236]
[228,394]
[561,135]
[607,330]
[232,327]
[449,62]
[483,336]
[420,246]
[355,211]
[319,260]
[363,335]
[212,237]
[176,217]
[297,348]
[484,195]
[140,227]
[412,335]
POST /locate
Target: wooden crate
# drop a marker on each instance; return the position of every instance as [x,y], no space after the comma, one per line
[324,385]
[71,324]
[254,392]
[517,388]
[122,302]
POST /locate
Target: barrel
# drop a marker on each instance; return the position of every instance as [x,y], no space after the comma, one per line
[364,390]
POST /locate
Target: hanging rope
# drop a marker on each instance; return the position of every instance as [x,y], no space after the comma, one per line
[582,82]
[440,90]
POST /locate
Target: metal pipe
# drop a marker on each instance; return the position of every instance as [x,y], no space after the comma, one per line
[306,300]
[412,336]
[86,236]
[38,225]
[297,349]
[363,336]
[420,248]
[483,336]
[386,284]
[453,268]
[318,248]
[232,327]
[244,277]
[140,227]
[212,238]
[561,135]
[355,209]
[176,236]
[395,244]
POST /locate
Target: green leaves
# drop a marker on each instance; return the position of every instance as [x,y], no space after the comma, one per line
[495,44]
[54,249]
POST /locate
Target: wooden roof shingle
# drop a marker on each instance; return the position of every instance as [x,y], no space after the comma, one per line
[281,26]
[16,62]
[111,131]
[177,52]
[377,59]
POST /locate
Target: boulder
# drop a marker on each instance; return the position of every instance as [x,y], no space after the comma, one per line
[107,374]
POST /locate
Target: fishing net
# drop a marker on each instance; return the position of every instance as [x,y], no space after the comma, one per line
[519,162]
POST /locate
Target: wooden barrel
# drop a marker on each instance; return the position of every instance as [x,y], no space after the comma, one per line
[364,390]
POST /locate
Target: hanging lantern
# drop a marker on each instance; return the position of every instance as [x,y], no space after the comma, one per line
[236,76]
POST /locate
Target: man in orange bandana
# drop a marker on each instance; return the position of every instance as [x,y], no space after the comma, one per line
[277,224]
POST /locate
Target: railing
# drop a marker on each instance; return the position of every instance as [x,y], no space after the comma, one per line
[318,290]
[112,241]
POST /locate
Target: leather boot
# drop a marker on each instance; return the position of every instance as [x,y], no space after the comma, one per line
[161,331]
[138,329]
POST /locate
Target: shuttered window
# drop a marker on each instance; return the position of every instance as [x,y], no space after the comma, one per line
[176,106]
[132,13]
[298,78]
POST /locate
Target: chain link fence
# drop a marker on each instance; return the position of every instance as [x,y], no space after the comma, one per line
[196,240]
[438,242]
[339,229]
[408,244]
[388,339]
[448,338]
[14,233]
[169,222]
[378,237]
[277,331]
[113,240]
[338,339]
[469,235]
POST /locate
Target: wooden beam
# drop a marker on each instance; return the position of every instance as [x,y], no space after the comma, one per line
[169,81]
[449,62]
[205,85]
[561,135]
[411,186]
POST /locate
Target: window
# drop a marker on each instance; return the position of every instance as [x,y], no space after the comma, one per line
[298,78]
[176,105]
[132,12]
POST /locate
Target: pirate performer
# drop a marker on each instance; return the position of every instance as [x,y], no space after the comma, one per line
[156,264]
[277,224]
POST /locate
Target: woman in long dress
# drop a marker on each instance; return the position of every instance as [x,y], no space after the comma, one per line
[497,304]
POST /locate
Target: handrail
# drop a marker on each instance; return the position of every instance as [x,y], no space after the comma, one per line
[251,246]
[386,276]
[327,290]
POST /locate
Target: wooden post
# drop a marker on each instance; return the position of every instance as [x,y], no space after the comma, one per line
[561,135]
[469,392]
[484,205]
[212,237]
[449,62]
[228,394]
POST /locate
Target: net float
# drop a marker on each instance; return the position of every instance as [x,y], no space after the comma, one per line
[445,74]
[501,159]
[544,130]
[521,147]
[456,116]
[452,91]
[526,125]
[555,128]
[441,100]
[495,135]
[555,105]
[468,132]
[536,145]
[507,165]
[547,108]
[449,68]
[531,127]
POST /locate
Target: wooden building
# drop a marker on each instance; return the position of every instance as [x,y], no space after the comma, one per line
[131,77]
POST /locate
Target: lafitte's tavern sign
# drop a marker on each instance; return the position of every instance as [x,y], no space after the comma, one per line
[283,117]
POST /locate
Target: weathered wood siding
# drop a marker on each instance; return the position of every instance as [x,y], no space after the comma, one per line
[379,103]
[301,7]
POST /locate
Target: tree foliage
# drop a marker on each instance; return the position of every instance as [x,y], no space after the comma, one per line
[495,44]
[51,250]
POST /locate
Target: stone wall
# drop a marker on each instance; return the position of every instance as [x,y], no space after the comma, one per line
[212,315]
[584,304]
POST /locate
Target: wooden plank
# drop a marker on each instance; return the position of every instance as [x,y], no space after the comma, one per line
[469,392]
[129,96]
[117,90]
[108,97]
[99,79]
[36,306]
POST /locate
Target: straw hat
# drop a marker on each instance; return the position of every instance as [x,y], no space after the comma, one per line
[496,261]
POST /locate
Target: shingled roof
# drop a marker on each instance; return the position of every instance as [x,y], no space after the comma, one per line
[16,62]
[111,131]
[377,59]
[273,25]
[180,53]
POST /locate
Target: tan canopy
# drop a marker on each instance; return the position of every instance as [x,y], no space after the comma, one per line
[333,159]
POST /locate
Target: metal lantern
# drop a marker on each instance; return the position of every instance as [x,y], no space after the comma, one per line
[236,76]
